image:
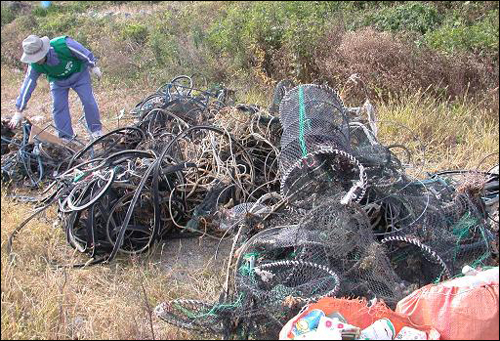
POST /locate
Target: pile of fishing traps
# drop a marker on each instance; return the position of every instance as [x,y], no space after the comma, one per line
[350,222]
[315,204]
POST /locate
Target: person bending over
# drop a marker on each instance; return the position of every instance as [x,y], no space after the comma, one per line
[67,65]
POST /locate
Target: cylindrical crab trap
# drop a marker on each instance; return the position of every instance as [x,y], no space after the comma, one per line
[312,117]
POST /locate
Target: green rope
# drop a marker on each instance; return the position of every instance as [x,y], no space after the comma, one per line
[247,268]
[480,260]
[399,258]
[213,311]
[218,307]
[462,230]
[79,175]
[302,120]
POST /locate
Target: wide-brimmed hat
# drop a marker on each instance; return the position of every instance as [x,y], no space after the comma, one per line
[35,48]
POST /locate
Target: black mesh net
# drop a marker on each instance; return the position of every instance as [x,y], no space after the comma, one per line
[317,205]
[312,117]
[353,222]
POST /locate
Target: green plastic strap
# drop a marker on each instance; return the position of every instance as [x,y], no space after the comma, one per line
[79,176]
[247,268]
[302,119]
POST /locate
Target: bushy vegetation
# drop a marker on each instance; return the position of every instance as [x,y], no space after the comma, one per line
[410,16]
[435,44]
[480,38]
[7,15]
[263,26]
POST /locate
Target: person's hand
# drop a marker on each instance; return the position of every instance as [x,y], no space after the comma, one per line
[96,72]
[14,121]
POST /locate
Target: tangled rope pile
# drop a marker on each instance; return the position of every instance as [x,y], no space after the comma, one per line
[165,176]
[35,162]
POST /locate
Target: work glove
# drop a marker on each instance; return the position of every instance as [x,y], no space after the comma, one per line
[14,121]
[96,72]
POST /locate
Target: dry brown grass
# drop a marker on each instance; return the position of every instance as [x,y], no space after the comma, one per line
[455,135]
[102,302]
[390,65]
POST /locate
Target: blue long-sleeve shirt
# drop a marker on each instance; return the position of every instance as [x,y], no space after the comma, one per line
[31,78]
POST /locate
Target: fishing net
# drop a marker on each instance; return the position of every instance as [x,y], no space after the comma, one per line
[312,117]
[317,203]
[355,223]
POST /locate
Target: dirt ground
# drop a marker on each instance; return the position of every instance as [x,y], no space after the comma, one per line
[182,256]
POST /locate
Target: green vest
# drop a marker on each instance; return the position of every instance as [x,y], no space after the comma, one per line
[67,66]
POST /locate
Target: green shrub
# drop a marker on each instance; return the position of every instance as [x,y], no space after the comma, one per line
[7,15]
[39,11]
[26,23]
[69,7]
[198,35]
[80,6]
[480,38]
[252,28]
[361,5]
[136,32]
[162,41]
[59,24]
[410,16]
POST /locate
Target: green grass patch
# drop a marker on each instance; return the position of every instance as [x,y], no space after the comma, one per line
[135,32]
[8,15]
[480,38]
[411,16]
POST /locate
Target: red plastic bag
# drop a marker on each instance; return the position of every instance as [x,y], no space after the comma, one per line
[462,309]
